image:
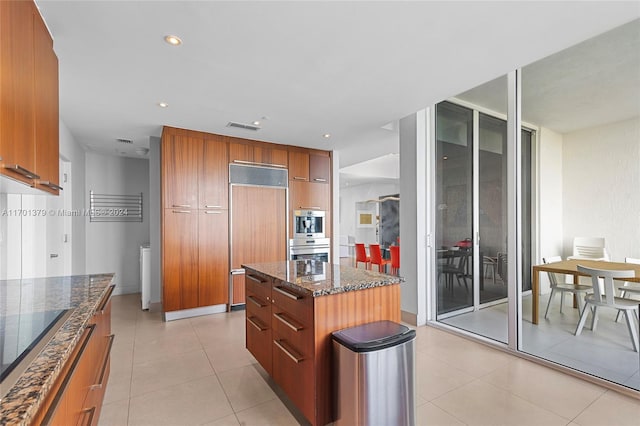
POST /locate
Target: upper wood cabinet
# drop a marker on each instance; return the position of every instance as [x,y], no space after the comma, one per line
[17,97]
[309,166]
[214,174]
[247,151]
[181,164]
[319,168]
[29,147]
[46,109]
[298,165]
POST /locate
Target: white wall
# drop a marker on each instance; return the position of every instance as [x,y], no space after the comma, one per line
[601,187]
[114,246]
[72,152]
[154,220]
[550,197]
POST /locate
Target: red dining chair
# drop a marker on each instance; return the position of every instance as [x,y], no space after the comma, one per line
[361,256]
[376,257]
[395,259]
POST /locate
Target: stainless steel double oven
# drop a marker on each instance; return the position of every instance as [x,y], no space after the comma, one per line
[309,241]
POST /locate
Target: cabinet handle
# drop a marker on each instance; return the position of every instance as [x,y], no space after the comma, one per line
[255,324]
[287,323]
[104,364]
[212,212]
[282,166]
[212,207]
[50,185]
[258,280]
[319,180]
[92,412]
[181,211]
[299,178]
[106,299]
[181,205]
[22,171]
[287,293]
[280,344]
[256,301]
[309,208]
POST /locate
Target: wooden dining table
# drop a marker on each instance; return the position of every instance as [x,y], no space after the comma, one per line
[570,267]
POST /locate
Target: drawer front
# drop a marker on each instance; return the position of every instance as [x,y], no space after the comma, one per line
[259,342]
[294,374]
[293,302]
[294,331]
[258,284]
[258,306]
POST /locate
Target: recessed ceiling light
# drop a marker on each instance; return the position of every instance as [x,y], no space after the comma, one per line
[256,123]
[163,104]
[326,136]
[444,157]
[173,40]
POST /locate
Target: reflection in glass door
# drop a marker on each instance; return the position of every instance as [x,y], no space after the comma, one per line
[492,198]
[471,189]
[454,216]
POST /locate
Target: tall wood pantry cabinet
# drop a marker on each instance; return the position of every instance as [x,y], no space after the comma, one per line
[195,217]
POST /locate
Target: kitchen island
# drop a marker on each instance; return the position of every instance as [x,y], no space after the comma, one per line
[56,335]
[292,309]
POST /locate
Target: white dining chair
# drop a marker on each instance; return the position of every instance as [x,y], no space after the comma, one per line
[589,248]
[608,300]
[562,287]
[628,289]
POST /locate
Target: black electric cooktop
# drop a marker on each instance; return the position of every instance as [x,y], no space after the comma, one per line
[19,334]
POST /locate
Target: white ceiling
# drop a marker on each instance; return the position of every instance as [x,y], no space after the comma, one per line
[344,68]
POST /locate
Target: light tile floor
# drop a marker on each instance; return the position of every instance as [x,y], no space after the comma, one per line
[197,372]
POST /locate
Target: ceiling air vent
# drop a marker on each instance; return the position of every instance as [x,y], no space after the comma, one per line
[129,141]
[243,126]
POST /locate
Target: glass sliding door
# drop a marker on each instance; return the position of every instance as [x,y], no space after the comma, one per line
[471,218]
[454,216]
[492,189]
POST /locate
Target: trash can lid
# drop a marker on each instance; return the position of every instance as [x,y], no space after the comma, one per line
[374,336]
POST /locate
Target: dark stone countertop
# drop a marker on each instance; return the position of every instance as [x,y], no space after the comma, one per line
[322,278]
[81,295]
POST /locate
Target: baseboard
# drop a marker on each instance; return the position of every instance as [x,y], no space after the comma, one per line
[409,318]
[194,312]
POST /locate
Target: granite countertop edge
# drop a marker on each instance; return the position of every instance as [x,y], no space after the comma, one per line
[26,396]
[365,280]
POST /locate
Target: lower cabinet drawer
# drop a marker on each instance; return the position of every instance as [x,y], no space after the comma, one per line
[293,372]
[258,341]
[258,306]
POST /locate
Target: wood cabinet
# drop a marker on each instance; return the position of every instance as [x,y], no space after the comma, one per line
[319,168]
[309,179]
[299,165]
[258,318]
[289,332]
[28,97]
[47,164]
[181,169]
[77,395]
[195,236]
[17,118]
[196,225]
[213,257]
[248,151]
[213,182]
[180,266]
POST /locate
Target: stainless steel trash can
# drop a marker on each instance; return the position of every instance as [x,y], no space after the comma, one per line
[374,367]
